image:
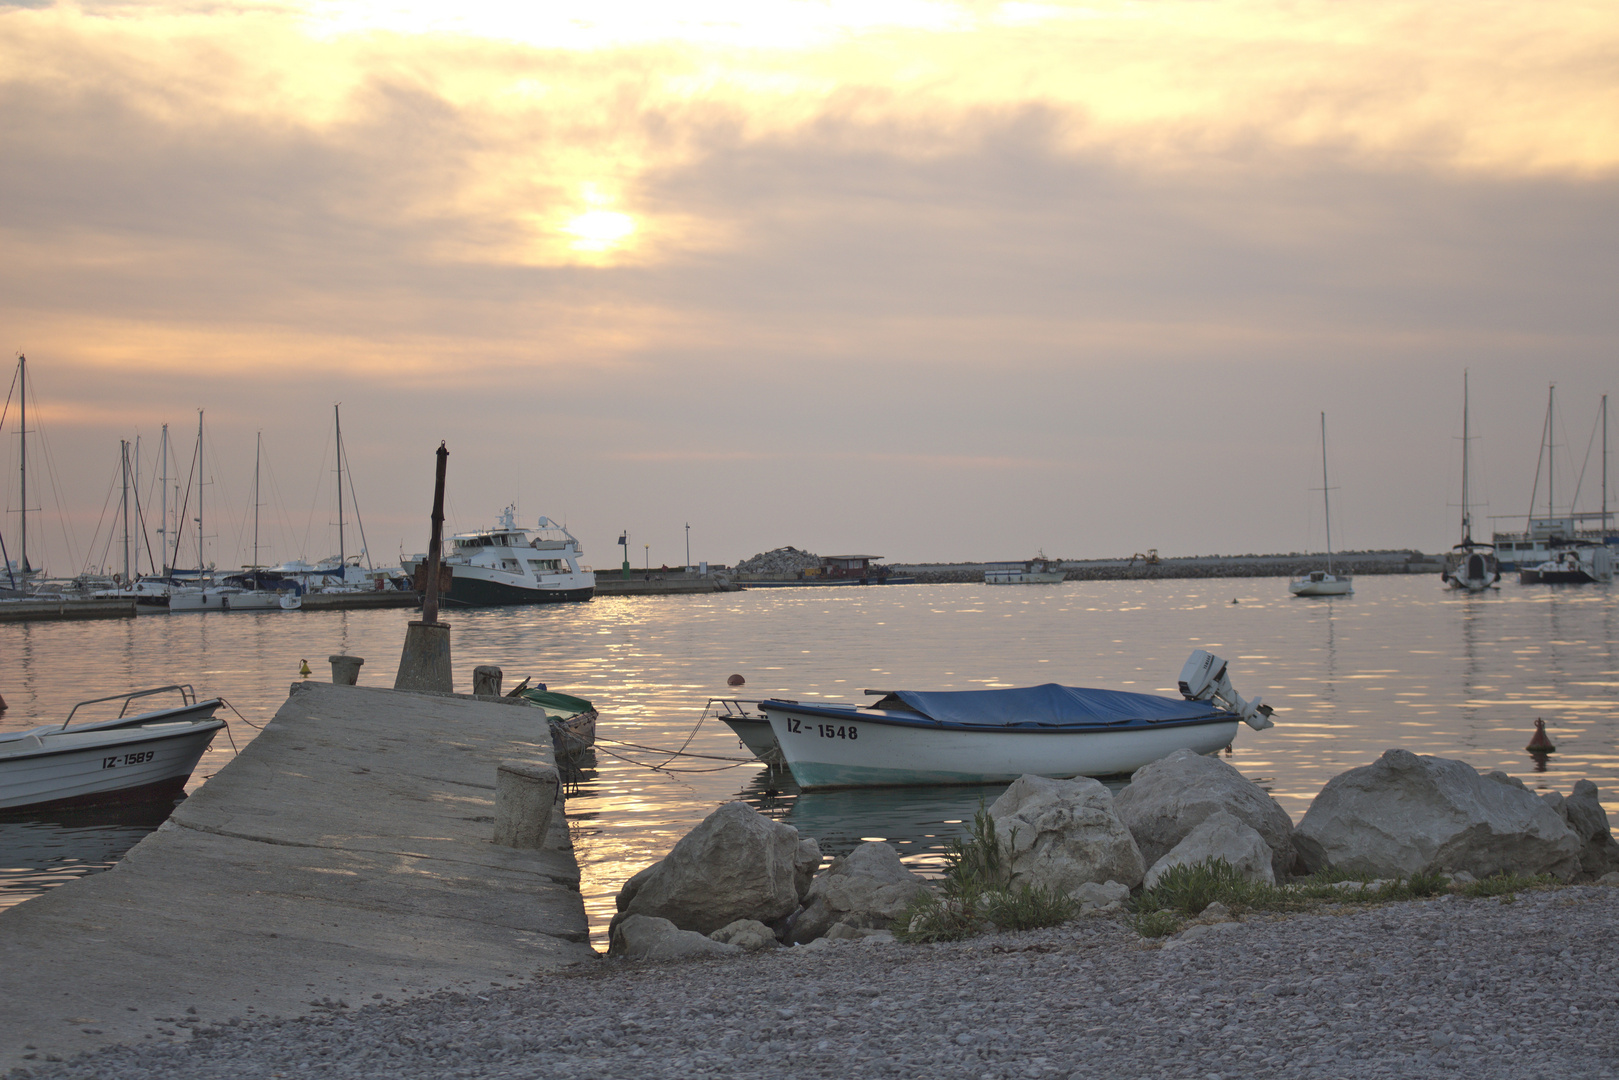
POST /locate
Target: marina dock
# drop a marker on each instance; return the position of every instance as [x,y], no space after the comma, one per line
[32,608]
[344,856]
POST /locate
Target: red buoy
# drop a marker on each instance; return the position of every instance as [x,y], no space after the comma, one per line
[1539,743]
[735,680]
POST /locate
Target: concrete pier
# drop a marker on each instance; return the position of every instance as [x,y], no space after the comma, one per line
[346,855]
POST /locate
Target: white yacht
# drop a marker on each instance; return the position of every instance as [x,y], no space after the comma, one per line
[506,565]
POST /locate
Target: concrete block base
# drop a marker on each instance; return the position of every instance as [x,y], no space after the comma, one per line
[525,797]
[425,662]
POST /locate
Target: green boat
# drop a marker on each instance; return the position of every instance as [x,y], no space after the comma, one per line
[572,720]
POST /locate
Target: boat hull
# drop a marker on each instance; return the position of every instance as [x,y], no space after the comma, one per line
[1330,586]
[755,734]
[138,763]
[472,589]
[833,748]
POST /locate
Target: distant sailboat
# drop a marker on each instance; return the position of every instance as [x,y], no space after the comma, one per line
[1323,582]
[1470,564]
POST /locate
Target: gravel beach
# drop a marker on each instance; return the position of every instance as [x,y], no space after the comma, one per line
[1452,986]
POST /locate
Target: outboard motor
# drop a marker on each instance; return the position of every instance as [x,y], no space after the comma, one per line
[1203,678]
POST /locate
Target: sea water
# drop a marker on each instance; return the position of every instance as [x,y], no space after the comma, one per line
[1402,662]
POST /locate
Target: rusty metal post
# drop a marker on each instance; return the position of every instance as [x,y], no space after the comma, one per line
[436,545]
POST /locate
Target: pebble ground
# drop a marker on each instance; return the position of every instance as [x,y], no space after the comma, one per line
[1448,987]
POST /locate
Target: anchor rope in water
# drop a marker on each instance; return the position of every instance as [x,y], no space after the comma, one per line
[737,763]
[673,753]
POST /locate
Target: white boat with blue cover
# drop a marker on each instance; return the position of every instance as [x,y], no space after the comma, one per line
[909,737]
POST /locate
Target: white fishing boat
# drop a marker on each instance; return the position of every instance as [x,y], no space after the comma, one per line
[505,565]
[910,738]
[140,758]
[1036,571]
[1323,582]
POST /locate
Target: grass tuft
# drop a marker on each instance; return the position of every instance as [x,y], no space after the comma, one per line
[1506,886]
[1156,924]
[977,892]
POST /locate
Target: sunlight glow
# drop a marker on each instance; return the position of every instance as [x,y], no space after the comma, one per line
[600,230]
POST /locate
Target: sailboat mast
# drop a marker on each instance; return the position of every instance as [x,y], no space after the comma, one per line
[338,417]
[1604,468]
[22,397]
[1326,498]
[258,449]
[123,454]
[163,522]
[201,470]
[1551,451]
[1467,520]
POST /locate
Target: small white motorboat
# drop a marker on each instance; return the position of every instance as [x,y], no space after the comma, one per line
[910,738]
[141,758]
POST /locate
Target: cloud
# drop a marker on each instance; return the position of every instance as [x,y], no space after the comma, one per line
[1091,272]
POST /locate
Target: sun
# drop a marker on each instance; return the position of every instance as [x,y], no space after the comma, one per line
[600,230]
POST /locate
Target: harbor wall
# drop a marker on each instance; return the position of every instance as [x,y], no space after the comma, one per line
[1360,563]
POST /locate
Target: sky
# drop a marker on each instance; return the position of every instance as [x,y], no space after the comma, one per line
[933,281]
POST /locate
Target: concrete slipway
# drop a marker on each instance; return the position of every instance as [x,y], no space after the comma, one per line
[345,855]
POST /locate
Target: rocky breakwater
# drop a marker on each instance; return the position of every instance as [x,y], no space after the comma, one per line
[740,882]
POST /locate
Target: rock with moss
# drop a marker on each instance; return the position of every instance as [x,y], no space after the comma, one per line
[1220,836]
[866,889]
[1061,834]
[1167,799]
[1406,814]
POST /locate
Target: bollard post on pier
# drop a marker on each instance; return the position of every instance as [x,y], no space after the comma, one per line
[486,680]
[425,662]
[345,670]
[525,798]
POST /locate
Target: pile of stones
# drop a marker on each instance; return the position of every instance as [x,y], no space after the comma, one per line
[741,882]
[782,562]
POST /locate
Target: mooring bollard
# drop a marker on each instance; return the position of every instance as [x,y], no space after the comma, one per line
[345,670]
[486,680]
[525,795]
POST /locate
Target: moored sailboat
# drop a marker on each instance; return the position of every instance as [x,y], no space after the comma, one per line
[1323,582]
[1470,564]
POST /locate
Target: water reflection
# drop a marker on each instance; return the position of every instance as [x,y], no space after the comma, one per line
[47,849]
[1404,662]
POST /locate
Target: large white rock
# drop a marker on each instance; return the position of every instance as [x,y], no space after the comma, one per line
[865,889]
[642,937]
[1167,799]
[736,864]
[1064,833]
[1404,814]
[1221,835]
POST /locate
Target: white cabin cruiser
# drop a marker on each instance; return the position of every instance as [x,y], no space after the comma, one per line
[505,565]
[1036,571]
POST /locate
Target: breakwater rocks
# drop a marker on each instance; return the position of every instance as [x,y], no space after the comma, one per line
[741,882]
[1202,566]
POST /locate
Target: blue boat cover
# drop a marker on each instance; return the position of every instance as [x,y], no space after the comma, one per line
[1051,705]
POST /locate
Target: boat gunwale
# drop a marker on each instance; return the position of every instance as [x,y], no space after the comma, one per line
[855,713]
[209,724]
